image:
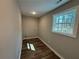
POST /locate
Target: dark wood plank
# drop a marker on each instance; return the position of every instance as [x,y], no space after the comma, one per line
[41,50]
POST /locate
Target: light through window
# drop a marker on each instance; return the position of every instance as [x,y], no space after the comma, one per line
[30,47]
[64,22]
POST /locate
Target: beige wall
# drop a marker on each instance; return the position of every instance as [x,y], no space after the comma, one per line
[30,26]
[10,30]
[66,46]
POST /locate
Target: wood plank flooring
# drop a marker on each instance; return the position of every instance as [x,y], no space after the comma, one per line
[36,49]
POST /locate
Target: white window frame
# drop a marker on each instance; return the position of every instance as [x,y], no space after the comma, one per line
[75,27]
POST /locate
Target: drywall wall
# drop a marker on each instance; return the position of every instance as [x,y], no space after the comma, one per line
[10,30]
[64,45]
[30,26]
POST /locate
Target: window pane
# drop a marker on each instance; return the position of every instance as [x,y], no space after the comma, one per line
[64,22]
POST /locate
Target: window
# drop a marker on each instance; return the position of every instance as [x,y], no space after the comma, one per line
[64,22]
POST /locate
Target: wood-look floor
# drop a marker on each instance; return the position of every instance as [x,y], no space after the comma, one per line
[41,50]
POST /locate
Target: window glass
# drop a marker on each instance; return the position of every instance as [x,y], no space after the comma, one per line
[64,22]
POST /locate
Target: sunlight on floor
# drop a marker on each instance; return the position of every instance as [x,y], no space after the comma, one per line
[31,47]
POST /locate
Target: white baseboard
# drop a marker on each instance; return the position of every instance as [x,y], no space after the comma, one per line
[30,37]
[52,49]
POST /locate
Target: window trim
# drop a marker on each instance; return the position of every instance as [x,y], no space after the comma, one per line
[75,23]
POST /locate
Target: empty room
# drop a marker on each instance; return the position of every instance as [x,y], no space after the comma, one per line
[39,29]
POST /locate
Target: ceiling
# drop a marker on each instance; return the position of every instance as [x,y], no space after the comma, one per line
[39,6]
